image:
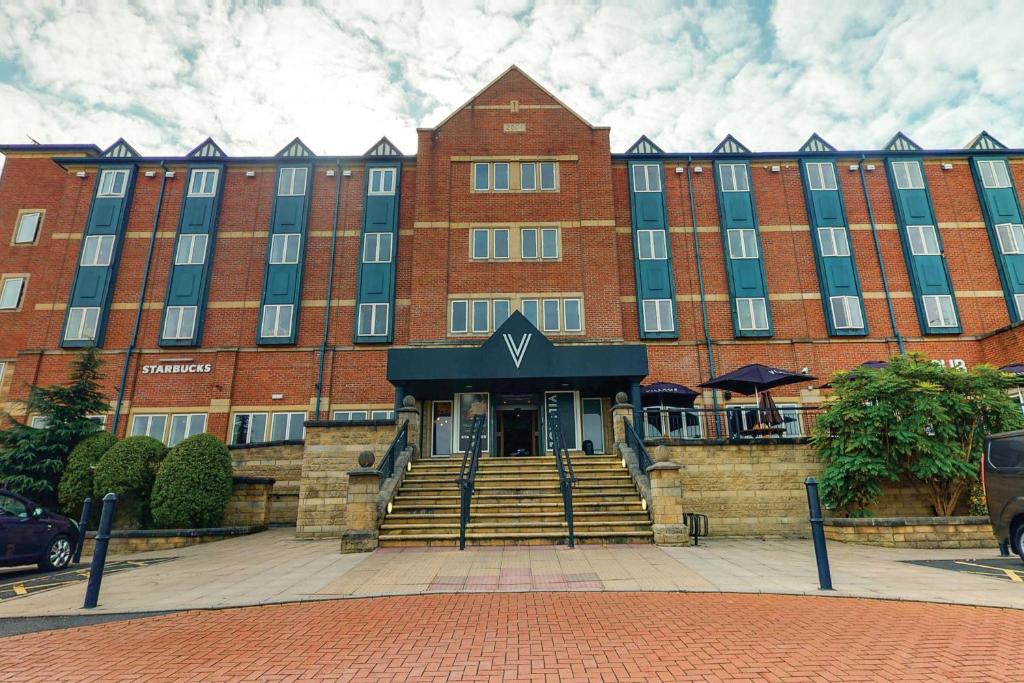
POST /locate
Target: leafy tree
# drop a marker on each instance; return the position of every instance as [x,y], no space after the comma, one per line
[32,460]
[127,469]
[912,420]
[194,484]
[76,484]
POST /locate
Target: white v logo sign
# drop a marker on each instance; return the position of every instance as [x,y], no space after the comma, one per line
[517,351]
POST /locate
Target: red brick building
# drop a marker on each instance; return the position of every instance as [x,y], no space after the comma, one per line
[243,295]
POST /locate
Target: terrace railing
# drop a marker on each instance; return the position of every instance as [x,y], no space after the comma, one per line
[398,444]
[734,422]
[467,476]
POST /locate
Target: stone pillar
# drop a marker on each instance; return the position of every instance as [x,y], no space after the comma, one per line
[410,412]
[362,522]
[622,408]
[667,500]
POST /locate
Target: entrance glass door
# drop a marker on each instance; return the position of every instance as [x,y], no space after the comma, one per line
[593,424]
[517,432]
[443,428]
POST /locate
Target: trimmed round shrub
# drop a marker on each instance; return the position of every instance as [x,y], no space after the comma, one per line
[126,469]
[193,485]
[76,482]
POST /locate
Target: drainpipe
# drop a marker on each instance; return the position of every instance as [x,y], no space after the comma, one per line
[700,282]
[142,300]
[878,253]
[330,291]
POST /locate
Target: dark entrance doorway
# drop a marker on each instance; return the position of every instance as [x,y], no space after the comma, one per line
[517,432]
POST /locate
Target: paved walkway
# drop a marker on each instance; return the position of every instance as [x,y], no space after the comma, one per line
[540,637]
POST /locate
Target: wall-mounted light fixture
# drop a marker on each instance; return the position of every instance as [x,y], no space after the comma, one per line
[80,174]
[698,169]
[346,173]
[250,174]
[947,166]
[330,173]
[854,167]
[870,167]
[169,174]
[776,169]
[150,174]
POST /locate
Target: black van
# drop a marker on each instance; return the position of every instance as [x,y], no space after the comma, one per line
[1002,476]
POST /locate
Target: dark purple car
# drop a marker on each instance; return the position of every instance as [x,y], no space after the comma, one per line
[31,535]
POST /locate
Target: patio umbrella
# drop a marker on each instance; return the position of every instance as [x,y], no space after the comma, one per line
[754,378]
[866,365]
[768,412]
[668,394]
[1014,368]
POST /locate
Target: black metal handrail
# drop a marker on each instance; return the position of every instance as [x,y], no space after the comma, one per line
[634,442]
[467,476]
[398,444]
[737,422]
[566,474]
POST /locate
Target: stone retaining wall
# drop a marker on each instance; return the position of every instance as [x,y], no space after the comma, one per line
[250,502]
[913,532]
[126,541]
[283,462]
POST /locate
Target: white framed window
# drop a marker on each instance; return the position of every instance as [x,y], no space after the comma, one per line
[349,415]
[203,182]
[382,181]
[528,242]
[377,247]
[531,311]
[285,248]
[1011,238]
[288,427]
[658,315]
[113,183]
[292,182]
[501,248]
[184,426]
[548,175]
[742,243]
[480,243]
[552,315]
[846,313]
[98,250]
[180,322]
[833,241]
[277,320]
[651,245]
[82,324]
[907,175]
[459,322]
[572,310]
[549,243]
[481,316]
[3,368]
[994,174]
[528,177]
[733,177]
[28,227]
[821,175]
[646,177]
[939,310]
[373,320]
[1018,300]
[382,415]
[39,422]
[150,425]
[502,308]
[191,250]
[501,176]
[924,240]
[249,428]
[481,177]
[12,289]
[752,314]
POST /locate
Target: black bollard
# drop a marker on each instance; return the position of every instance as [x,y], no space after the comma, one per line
[99,553]
[818,534]
[86,513]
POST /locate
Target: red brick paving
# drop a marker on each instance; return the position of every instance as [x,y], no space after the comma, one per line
[539,637]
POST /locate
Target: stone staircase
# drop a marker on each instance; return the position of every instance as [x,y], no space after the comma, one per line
[517,501]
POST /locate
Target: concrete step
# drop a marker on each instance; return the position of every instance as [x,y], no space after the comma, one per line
[494,528]
[579,507]
[525,498]
[503,539]
[525,518]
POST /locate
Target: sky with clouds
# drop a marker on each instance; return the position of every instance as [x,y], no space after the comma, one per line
[166,73]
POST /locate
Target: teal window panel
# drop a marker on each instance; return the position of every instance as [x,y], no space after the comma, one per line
[378,246]
[1001,209]
[921,241]
[652,249]
[92,288]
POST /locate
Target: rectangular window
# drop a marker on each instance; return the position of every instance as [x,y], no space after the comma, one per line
[191,250]
[501,176]
[528,177]
[292,182]
[907,175]
[98,250]
[1018,300]
[833,241]
[277,320]
[377,247]
[742,243]
[658,315]
[1011,238]
[647,177]
[249,428]
[460,316]
[993,173]
[821,176]
[382,181]
[373,320]
[382,415]
[203,183]
[349,415]
[28,228]
[11,293]
[924,240]
[481,247]
[549,243]
[82,324]
[184,426]
[39,422]
[501,243]
[288,427]
[113,183]
[733,177]
[531,311]
[548,175]
[938,310]
[528,242]
[752,314]
[284,248]
[149,425]
[573,315]
[501,312]
[180,322]
[481,316]
[846,314]
[481,177]
[552,321]
[651,245]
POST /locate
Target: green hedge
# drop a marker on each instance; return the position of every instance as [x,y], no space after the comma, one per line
[127,469]
[194,484]
[76,482]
